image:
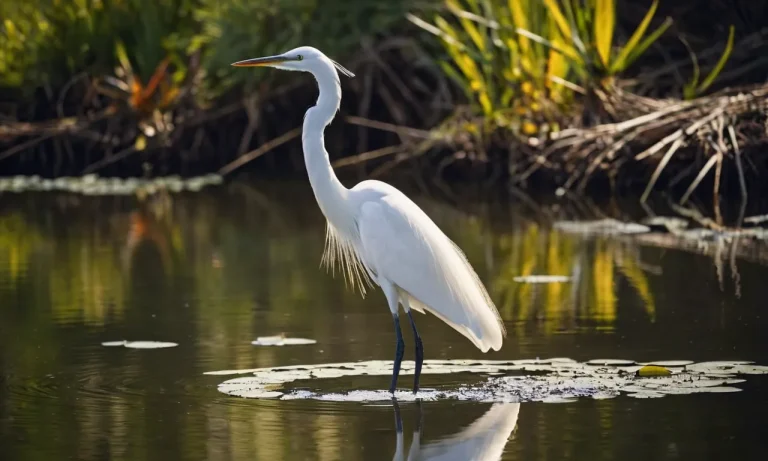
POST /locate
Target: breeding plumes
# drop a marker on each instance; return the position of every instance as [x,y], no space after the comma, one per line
[377,235]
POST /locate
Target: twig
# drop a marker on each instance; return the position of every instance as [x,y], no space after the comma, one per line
[252,113]
[401,130]
[366,156]
[25,145]
[678,134]
[742,180]
[716,188]
[110,160]
[667,157]
[256,153]
[695,215]
[695,183]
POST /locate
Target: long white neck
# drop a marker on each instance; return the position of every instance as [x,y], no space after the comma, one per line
[331,195]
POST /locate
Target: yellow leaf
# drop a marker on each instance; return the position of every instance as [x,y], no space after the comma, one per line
[141,143]
[557,63]
[443,25]
[521,20]
[485,102]
[10,29]
[529,128]
[557,15]
[526,87]
[605,19]
[652,370]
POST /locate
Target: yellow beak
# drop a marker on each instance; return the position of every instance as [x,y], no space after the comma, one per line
[257,62]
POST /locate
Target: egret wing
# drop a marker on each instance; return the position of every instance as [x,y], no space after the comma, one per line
[403,245]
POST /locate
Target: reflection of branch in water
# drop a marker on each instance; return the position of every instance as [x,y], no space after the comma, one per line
[145,229]
[483,440]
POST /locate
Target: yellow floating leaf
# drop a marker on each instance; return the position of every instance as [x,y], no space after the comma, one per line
[652,370]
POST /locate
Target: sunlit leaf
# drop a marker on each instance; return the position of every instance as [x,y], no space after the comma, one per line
[622,59]
[557,15]
[652,370]
[605,18]
[647,42]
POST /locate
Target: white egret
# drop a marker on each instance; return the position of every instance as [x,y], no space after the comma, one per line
[376,234]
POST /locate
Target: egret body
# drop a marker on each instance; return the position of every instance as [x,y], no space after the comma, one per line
[376,234]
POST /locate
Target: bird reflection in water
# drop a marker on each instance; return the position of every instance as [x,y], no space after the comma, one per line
[483,440]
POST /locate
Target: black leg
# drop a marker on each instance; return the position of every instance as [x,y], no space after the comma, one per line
[420,415]
[419,354]
[398,420]
[398,353]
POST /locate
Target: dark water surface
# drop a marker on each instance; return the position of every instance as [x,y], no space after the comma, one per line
[214,270]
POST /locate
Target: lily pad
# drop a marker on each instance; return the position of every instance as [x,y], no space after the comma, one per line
[607,226]
[93,184]
[669,363]
[281,340]
[608,362]
[140,344]
[556,380]
[666,223]
[653,370]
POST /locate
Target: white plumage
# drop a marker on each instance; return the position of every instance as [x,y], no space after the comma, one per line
[401,244]
[375,234]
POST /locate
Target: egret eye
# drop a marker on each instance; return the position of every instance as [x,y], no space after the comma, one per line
[300,57]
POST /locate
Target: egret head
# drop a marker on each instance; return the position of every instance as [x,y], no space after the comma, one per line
[303,58]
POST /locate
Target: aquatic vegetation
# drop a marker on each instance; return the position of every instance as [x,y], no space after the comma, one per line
[281,340]
[607,226]
[93,184]
[556,380]
[521,62]
[140,344]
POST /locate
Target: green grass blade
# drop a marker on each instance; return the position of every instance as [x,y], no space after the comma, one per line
[647,42]
[567,52]
[621,60]
[720,63]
